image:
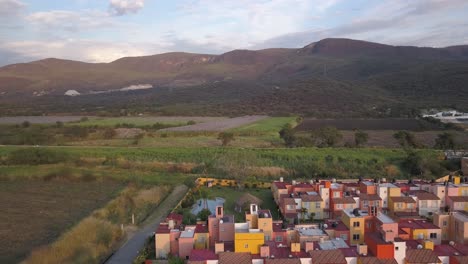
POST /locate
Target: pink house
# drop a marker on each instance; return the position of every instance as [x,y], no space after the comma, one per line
[186,240]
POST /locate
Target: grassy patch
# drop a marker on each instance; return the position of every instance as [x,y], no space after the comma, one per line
[271,125]
[136,121]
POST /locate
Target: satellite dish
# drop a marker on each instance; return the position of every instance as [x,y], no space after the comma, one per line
[419,246]
[452,243]
[325,226]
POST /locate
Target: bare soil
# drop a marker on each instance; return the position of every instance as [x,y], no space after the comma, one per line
[219,125]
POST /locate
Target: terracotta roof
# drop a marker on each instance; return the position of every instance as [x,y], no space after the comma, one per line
[369,197]
[248,198]
[311,198]
[281,185]
[402,199]
[234,258]
[283,261]
[417,224]
[201,228]
[374,260]
[202,255]
[461,259]
[175,217]
[423,195]
[328,256]
[459,198]
[421,256]
[343,200]
[163,228]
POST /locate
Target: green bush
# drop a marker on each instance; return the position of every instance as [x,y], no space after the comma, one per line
[36,156]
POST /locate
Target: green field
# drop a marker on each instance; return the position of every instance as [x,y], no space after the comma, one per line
[271,125]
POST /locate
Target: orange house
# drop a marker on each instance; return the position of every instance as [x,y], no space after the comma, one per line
[379,248]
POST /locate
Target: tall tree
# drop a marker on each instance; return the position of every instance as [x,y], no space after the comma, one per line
[287,134]
[445,141]
[360,138]
[327,136]
[406,139]
[226,138]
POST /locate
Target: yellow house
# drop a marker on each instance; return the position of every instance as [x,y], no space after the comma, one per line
[314,204]
[456,179]
[354,220]
[162,241]
[201,239]
[248,241]
[401,204]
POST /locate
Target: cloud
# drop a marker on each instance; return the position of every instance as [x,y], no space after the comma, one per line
[80,49]
[395,22]
[10,8]
[123,7]
[70,20]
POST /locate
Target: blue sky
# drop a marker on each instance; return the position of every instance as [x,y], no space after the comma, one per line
[105,30]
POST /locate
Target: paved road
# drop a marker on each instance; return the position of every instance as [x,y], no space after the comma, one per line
[128,252]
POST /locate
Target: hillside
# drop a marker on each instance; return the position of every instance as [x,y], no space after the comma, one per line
[326,78]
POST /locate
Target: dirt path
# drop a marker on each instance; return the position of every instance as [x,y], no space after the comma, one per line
[128,252]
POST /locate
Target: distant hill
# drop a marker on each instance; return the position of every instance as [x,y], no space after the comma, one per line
[326,78]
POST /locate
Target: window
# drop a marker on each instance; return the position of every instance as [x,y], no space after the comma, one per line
[396,248]
[356,224]
[444,223]
[279,239]
[246,245]
[356,237]
[339,206]
[433,235]
[424,204]
[267,238]
[317,205]
[399,205]
[336,194]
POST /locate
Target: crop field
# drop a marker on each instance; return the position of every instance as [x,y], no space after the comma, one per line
[146,121]
[219,125]
[35,213]
[267,125]
[367,124]
[7,120]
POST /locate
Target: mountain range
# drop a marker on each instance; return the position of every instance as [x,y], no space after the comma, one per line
[326,78]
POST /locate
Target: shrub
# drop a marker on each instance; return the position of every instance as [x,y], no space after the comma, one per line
[36,156]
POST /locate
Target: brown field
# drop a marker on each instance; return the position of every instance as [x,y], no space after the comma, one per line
[366,124]
[35,213]
[219,125]
[384,138]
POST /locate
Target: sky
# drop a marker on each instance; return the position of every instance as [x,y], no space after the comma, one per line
[105,30]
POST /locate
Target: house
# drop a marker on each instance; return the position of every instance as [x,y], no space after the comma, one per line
[457,203]
[221,227]
[427,203]
[248,241]
[420,230]
[234,258]
[402,206]
[338,204]
[371,203]
[387,190]
[313,204]
[454,226]
[354,220]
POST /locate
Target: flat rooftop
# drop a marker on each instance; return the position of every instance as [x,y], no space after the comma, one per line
[333,244]
[350,213]
[385,219]
[311,231]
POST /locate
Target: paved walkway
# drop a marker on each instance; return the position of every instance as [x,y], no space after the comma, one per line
[129,251]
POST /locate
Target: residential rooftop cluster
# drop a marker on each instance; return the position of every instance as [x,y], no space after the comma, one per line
[333,222]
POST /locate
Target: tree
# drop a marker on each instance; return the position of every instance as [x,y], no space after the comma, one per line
[303,213]
[414,162]
[327,136]
[406,139]
[312,216]
[287,134]
[204,214]
[226,138]
[445,141]
[360,138]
